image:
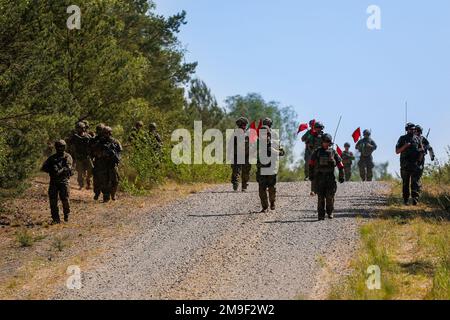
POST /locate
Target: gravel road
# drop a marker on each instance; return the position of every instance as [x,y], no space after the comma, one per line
[215,245]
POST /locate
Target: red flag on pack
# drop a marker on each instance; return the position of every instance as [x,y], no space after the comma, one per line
[356,135]
[253,132]
[339,151]
[302,127]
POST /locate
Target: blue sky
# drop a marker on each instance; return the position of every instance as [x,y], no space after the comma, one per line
[320,58]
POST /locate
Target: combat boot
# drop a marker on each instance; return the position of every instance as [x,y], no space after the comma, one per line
[415,201]
[272,206]
[264,210]
[96,196]
[235,187]
[330,216]
[66,218]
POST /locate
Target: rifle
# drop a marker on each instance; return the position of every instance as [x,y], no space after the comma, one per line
[337,128]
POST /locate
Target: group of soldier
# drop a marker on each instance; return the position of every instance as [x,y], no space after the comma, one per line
[413,147]
[96,155]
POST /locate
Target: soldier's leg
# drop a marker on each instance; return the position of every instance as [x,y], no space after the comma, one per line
[307,158]
[115,183]
[348,173]
[235,172]
[321,194]
[89,175]
[64,195]
[53,199]
[331,191]
[272,191]
[406,178]
[80,174]
[262,188]
[97,190]
[362,170]
[415,186]
[246,168]
[370,166]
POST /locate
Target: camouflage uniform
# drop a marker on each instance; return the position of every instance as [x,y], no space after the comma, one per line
[347,160]
[410,166]
[93,142]
[155,138]
[313,141]
[425,148]
[79,147]
[107,157]
[322,166]
[267,182]
[366,147]
[59,167]
[241,169]
[305,138]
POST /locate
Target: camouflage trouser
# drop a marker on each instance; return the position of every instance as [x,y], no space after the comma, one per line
[326,189]
[366,166]
[84,170]
[59,190]
[108,181]
[348,172]
[242,170]
[267,184]
[307,158]
[411,183]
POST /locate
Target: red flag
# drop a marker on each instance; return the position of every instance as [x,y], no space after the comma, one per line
[253,132]
[339,151]
[356,135]
[259,127]
[302,127]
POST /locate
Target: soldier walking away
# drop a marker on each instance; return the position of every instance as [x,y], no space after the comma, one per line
[425,148]
[106,152]
[79,148]
[313,141]
[241,169]
[322,170]
[266,174]
[366,146]
[59,167]
[408,146]
[347,159]
[307,156]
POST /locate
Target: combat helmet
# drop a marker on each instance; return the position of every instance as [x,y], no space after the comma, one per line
[347,145]
[60,145]
[327,138]
[367,133]
[410,126]
[241,122]
[419,129]
[267,122]
[152,126]
[319,125]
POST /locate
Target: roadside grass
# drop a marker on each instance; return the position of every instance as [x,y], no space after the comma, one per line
[411,245]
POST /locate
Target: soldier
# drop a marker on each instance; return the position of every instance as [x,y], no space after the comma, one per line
[241,169]
[366,146]
[321,170]
[347,160]
[307,156]
[155,138]
[98,133]
[135,131]
[425,149]
[267,180]
[79,148]
[59,167]
[87,127]
[107,158]
[408,146]
[313,140]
